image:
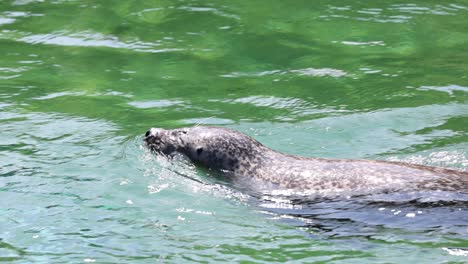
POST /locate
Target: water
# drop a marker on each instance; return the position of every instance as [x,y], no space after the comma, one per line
[81,81]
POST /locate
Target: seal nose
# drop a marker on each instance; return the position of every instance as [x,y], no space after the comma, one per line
[153,133]
[153,138]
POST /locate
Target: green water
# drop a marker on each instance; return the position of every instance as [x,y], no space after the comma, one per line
[82,81]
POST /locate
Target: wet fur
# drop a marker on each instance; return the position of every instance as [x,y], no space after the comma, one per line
[242,157]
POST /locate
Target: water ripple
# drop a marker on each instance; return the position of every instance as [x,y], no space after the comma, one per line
[11,72]
[314,72]
[92,39]
[362,43]
[75,93]
[156,103]
[211,10]
[396,13]
[10,17]
[4,20]
[450,89]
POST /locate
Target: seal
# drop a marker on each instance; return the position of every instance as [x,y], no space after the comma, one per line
[241,157]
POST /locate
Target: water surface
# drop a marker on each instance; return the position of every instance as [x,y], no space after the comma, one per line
[81,81]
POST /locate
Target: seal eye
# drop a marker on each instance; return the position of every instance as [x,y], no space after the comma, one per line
[199,151]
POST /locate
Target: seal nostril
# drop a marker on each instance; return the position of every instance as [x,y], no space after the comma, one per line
[199,151]
[147,133]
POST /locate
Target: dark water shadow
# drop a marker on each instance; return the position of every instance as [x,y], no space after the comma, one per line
[416,216]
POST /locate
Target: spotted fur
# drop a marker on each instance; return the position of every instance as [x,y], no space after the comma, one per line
[241,156]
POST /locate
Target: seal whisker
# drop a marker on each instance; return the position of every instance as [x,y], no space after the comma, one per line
[204,121]
[188,177]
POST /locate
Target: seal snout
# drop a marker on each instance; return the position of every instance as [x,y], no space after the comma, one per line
[154,138]
[153,134]
[158,139]
[150,136]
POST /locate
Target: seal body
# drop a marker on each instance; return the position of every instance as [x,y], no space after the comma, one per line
[242,157]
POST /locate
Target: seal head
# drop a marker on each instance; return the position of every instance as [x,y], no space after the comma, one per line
[214,147]
[164,141]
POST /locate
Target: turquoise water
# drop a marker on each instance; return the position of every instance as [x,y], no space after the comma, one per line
[81,82]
